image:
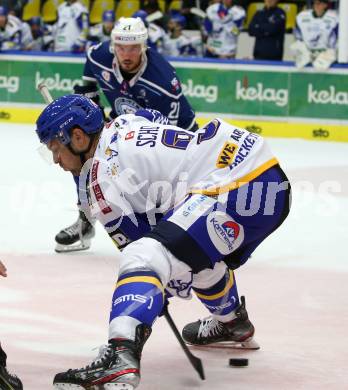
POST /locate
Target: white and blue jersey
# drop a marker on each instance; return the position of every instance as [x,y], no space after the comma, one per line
[206,196]
[318,33]
[16,35]
[155,86]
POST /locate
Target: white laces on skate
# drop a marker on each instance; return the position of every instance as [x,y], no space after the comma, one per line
[209,327]
[103,354]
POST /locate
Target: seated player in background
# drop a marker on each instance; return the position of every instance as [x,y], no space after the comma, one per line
[14,34]
[186,208]
[7,380]
[101,32]
[42,35]
[316,34]
[132,76]
[155,32]
[175,42]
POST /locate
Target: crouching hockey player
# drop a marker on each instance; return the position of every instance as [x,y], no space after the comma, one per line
[132,76]
[171,199]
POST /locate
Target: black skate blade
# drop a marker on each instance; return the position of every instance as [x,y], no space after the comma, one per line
[251,345]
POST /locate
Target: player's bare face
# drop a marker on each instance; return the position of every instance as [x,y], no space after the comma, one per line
[63,156]
[128,56]
[319,7]
[3,21]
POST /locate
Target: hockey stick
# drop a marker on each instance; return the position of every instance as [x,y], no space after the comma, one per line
[42,88]
[195,361]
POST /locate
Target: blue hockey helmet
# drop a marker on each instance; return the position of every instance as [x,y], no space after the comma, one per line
[177,17]
[66,112]
[35,21]
[3,10]
[140,14]
[109,16]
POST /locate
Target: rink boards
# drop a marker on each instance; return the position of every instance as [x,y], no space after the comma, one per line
[320,130]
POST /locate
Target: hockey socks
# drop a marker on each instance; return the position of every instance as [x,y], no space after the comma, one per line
[221,299]
[138,294]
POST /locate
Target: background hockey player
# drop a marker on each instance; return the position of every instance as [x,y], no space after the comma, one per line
[184,206]
[316,36]
[132,76]
[71,29]
[222,25]
[42,35]
[155,32]
[175,43]
[14,34]
[7,380]
[101,32]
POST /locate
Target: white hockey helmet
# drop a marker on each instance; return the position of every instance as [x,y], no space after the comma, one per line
[129,31]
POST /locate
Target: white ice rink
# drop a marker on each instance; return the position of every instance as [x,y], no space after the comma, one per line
[54,308]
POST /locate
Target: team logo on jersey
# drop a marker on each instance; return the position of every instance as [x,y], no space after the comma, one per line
[225,233]
[106,75]
[226,155]
[126,106]
[129,135]
[175,84]
[112,170]
[142,93]
[110,153]
[180,288]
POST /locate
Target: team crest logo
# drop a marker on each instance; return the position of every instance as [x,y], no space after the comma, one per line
[110,153]
[106,75]
[175,84]
[126,106]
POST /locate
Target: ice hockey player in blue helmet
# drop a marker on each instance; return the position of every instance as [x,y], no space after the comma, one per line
[175,42]
[101,32]
[170,199]
[131,76]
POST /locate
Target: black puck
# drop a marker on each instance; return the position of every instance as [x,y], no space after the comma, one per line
[238,362]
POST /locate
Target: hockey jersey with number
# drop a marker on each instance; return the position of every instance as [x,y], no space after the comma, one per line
[141,169]
[222,27]
[71,29]
[318,33]
[155,85]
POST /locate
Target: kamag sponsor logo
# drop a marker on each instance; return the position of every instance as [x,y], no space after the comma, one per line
[326,96]
[279,97]
[207,92]
[225,233]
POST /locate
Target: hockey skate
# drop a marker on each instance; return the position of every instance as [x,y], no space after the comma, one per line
[9,381]
[210,332]
[116,367]
[76,237]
